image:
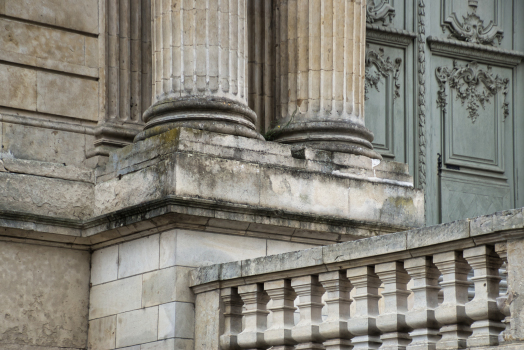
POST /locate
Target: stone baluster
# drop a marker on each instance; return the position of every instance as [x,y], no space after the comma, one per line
[200,64]
[503,301]
[335,328]
[451,314]
[255,317]
[232,318]
[306,332]
[320,75]
[363,324]
[392,322]
[483,308]
[283,298]
[421,318]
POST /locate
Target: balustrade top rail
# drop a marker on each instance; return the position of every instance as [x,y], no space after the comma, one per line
[366,271]
[457,235]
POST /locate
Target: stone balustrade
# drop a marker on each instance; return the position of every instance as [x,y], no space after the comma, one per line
[376,293]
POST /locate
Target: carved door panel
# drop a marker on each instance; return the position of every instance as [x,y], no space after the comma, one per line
[454,107]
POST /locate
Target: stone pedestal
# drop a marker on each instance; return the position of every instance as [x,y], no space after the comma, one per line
[320,75]
[199,68]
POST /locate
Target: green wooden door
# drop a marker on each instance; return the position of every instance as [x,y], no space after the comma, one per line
[454,109]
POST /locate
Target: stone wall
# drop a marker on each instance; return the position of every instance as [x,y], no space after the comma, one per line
[140,292]
[44,296]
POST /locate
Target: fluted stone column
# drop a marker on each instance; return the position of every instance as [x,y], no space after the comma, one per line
[320,75]
[199,68]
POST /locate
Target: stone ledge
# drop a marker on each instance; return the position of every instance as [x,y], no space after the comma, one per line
[401,245]
[173,212]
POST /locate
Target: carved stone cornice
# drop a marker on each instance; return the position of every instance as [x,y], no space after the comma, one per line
[380,11]
[384,68]
[472,29]
[474,87]
[477,52]
[381,35]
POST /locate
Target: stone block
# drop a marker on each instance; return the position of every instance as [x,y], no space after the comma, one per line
[57,93]
[386,203]
[390,243]
[166,285]
[44,296]
[115,297]
[19,87]
[47,145]
[72,14]
[42,42]
[279,247]
[137,327]
[286,261]
[168,249]
[481,225]
[218,179]
[299,191]
[176,320]
[102,333]
[207,320]
[516,289]
[443,233]
[132,189]
[104,265]
[508,220]
[138,256]
[167,344]
[196,248]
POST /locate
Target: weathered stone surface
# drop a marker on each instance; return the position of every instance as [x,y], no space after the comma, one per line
[202,248]
[44,296]
[42,42]
[137,327]
[45,196]
[44,144]
[57,92]
[286,261]
[138,256]
[509,219]
[176,320]
[102,333]
[438,234]
[166,285]
[516,289]
[104,265]
[115,297]
[167,249]
[391,243]
[78,15]
[20,87]
[207,320]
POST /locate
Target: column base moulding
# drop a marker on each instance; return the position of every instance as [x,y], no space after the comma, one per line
[344,137]
[215,114]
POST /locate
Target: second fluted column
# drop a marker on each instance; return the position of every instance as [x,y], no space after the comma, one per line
[320,75]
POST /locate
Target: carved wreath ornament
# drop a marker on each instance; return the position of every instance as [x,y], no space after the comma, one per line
[472,29]
[384,68]
[379,10]
[474,87]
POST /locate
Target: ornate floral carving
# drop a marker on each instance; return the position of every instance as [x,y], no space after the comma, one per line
[474,87]
[421,46]
[380,11]
[384,68]
[473,30]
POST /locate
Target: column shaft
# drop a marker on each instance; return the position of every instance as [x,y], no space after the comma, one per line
[200,65]
[320,95]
